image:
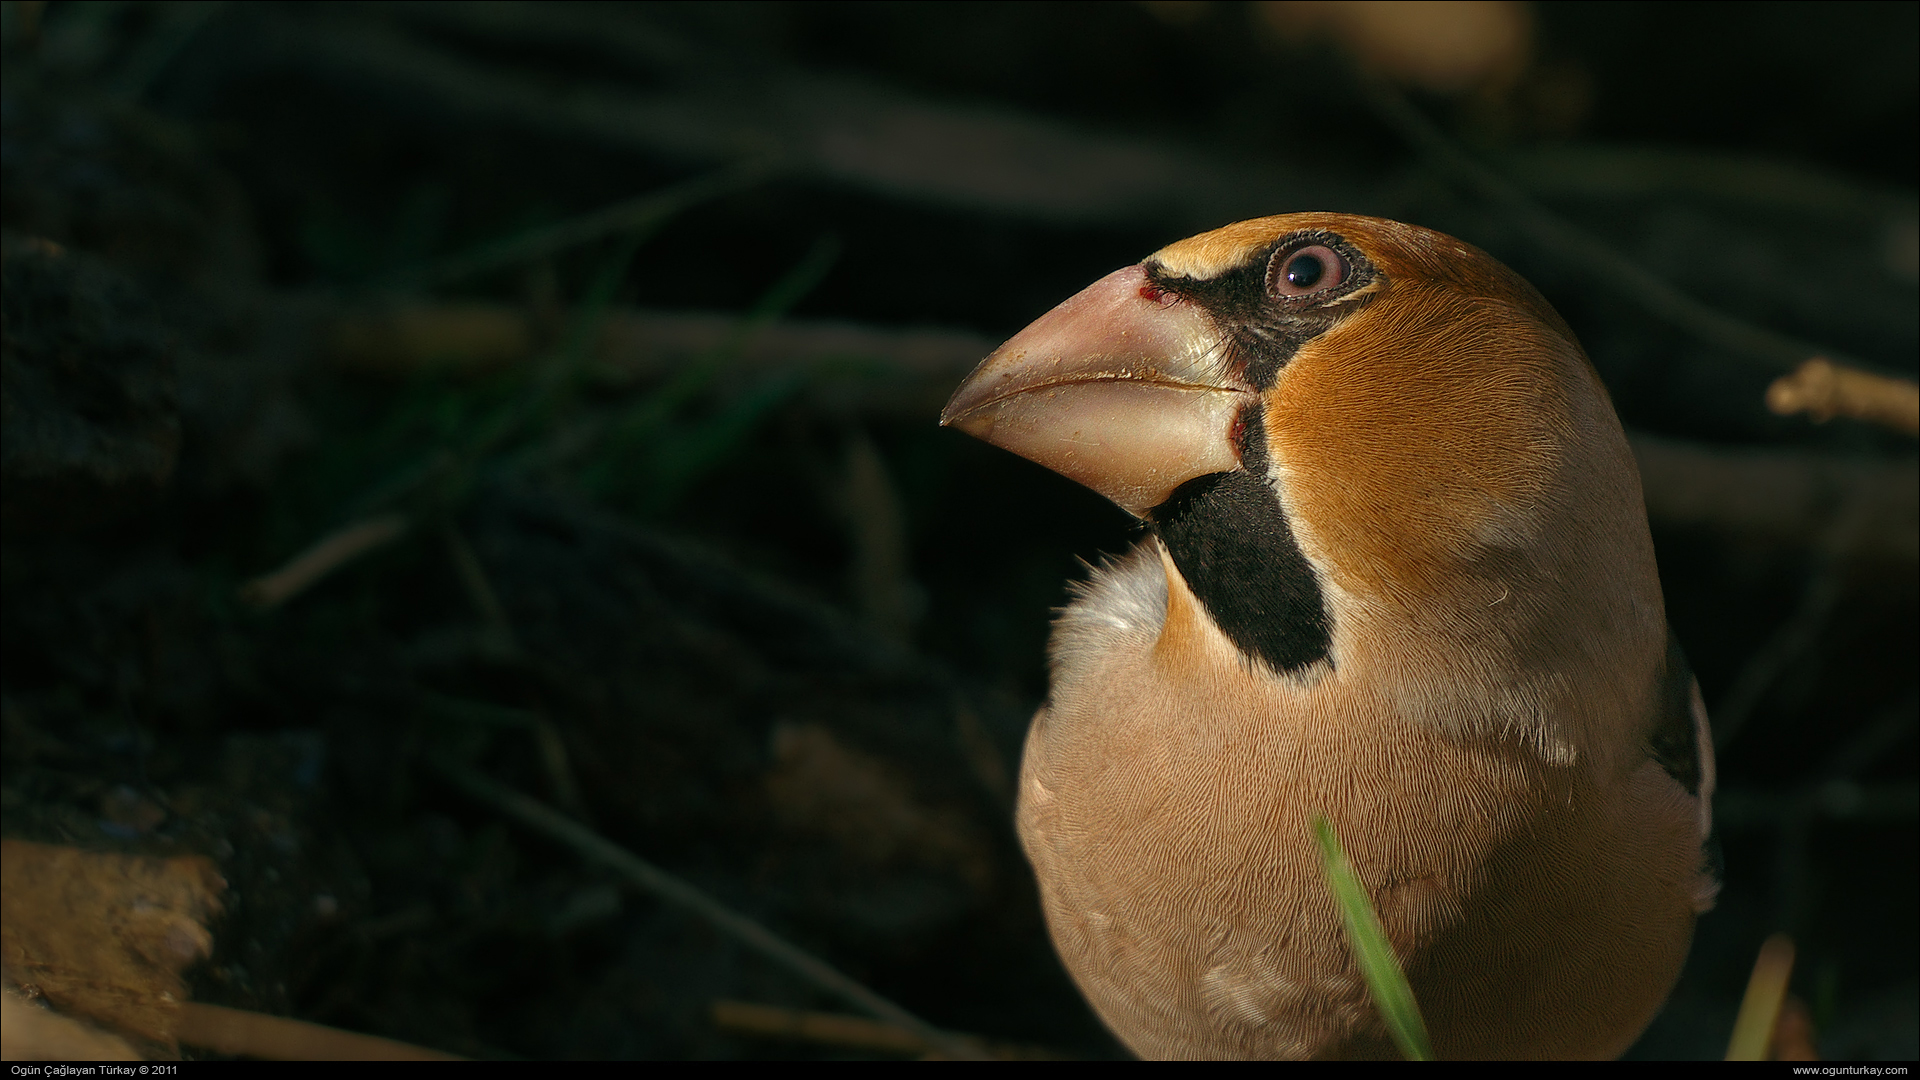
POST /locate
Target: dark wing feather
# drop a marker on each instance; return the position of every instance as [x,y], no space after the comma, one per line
[1682,743]
[1679,740]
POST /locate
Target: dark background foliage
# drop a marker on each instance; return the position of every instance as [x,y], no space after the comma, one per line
[674,542]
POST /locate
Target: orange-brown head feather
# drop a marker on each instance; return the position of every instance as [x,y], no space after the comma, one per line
[1451,465]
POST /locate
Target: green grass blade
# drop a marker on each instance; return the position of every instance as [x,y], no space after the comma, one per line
[1378,965]
[680,462]
[1760,1008]
[641,429]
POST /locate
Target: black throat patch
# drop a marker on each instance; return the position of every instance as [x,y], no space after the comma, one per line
[1230,539]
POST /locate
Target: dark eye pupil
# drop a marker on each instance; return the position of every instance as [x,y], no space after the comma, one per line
[1305,271]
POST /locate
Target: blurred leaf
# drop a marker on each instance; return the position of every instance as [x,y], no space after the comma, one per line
[641,462]
[636,217]
[350,251]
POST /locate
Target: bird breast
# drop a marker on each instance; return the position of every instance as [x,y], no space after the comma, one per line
[1166,803]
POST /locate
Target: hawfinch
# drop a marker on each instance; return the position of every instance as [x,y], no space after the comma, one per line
[1396,572]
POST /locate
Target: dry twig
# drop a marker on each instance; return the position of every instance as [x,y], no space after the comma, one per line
[1824,390]
[585,841]
[549,743]
[280,1038]
[887,596]
[855,1032]
[329,553]
[904,370]
[832,1029]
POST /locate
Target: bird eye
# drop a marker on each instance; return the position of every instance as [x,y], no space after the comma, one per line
[1306,271]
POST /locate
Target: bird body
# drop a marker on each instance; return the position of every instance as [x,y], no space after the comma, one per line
[1398,574]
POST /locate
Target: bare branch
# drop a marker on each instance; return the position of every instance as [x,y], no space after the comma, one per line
[1824,390]
[1789,496]
[836,128]
[1608,267]
[282,1038]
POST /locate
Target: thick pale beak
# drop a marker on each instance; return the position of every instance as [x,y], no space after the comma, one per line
[1119,388]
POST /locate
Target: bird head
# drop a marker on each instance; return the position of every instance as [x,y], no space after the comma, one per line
[1331,420]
